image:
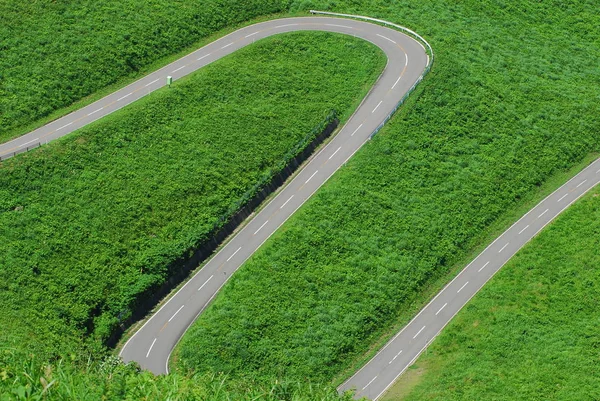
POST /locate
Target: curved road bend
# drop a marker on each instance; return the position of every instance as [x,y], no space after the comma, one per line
[151,345]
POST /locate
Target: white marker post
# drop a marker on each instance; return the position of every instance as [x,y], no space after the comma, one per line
[169,80]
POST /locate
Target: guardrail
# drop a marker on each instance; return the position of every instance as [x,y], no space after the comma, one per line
[21,150]
[416,36]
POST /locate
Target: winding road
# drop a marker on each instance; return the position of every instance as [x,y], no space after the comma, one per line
[152,344]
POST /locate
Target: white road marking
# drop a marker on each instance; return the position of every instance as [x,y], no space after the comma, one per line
[372,380]
[283,26]
[385,37]
[226,45]
[309,178]
[376,107]
[597,171]
[501,249]
[406,62]
[396,83]
[259,228]
[93,112]
[148,84]
[180,68]
[356,130]
[252,34]
[206,55]
[27,143]
[483,267]
[234,254]
[394,358]
[286,202]
[419,332]
[581,183]
[65,126]
[340,26]
[525,228]
[123,97]
[148,353]
[543,213]
[205,283]
[464,285]
[175,314]
[563,197]
[334,153]
[438,312]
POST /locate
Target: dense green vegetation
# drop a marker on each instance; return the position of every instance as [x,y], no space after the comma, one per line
[24,378]
[57,52]
[90,223]
[532,332]
[511,100]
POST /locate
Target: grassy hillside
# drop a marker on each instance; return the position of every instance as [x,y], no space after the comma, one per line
[55,53]
[512,100]
[532,332]
[91,222]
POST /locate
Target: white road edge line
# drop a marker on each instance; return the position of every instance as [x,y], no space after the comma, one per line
[501,249]
[562,197]
[356,130]
[123,97]
[461,288]
[175,314]
[581,183]
[150,349]
[376,107]
[27,143]
[483,267]
[543,213]
[419,332]
[228,259]
[438,312]
[334,153]
[259,228]
[286,202]
[206,282]
[525,228]
[372,380]
[309,178]
[385,37]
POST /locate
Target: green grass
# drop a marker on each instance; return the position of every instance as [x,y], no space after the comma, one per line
[56,53]
[91,223]
[532,331]
[511,101]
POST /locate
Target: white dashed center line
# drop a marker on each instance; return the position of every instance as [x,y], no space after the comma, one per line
[283,26]
[563,197]
[252,34]
[406,62]
[148,353]
[123,97]
[543,213]
[419,332]
[464,285]
[227,45]
[93,112]
[27,143]
[260,228]
[372,380]
[175,314]
[180,68]
[150,83]
[581,183]
[334,153]
[525,228]
[340,26]
[394,358]
[205,283]
[286,202]
[309,178]
[438,312]
[483,267]
[501,249]
[385,37]
[396,83]
[65,126]
[376,107]
[228,259]
[356,130]
[206,55]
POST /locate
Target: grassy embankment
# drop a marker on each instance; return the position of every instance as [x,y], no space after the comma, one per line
[57,56]
[511,103]
[532,332]
[90,222]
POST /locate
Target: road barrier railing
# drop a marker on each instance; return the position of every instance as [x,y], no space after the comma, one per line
[411,33]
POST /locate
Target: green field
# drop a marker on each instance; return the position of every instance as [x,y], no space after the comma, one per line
[532,331]
[511,101]
[91,223]
[54,53]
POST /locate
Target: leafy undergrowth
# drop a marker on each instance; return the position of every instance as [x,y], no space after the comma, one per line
[532,331]
[90,222]
[57,52]
[511,101]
